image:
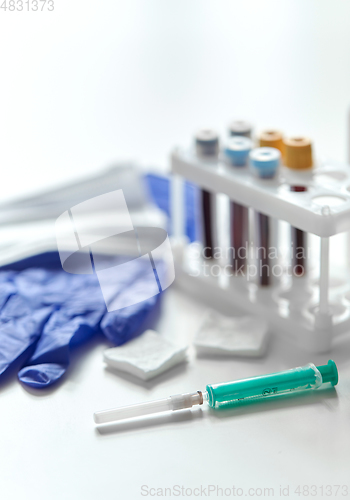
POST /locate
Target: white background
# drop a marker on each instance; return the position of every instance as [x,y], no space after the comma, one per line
[92,82]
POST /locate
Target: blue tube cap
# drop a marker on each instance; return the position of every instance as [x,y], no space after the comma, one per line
[265,161]
[237,150]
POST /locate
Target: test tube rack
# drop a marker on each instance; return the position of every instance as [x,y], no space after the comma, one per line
[311,311]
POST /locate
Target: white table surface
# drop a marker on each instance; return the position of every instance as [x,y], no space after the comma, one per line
[97,81]
[50,447]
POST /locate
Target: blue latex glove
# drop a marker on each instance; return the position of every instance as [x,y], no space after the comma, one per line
[20,328]
[46,309]
[58,311]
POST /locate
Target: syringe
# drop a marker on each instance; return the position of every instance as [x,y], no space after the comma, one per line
[232,394]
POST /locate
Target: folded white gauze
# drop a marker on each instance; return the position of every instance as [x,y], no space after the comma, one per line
[146,356]
[241,336]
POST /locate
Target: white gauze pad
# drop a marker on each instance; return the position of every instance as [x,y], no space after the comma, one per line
[146,356]
[241,336]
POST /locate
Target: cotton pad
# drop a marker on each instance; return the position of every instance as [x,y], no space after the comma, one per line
[240,336]
[146,356]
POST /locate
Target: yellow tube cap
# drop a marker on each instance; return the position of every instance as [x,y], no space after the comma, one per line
[298,153]
[272,139]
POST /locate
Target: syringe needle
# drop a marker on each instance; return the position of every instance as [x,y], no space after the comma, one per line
[177,402]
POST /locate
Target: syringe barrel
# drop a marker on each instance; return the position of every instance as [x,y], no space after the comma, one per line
[273,384]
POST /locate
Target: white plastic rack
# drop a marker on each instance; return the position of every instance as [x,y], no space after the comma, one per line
[310,310]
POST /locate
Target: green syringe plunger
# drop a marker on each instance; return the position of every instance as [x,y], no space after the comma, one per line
[231,394]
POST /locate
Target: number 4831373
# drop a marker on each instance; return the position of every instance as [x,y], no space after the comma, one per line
[27,5]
